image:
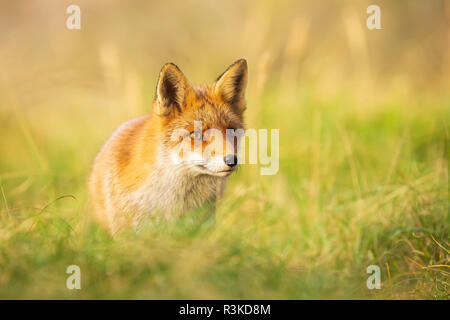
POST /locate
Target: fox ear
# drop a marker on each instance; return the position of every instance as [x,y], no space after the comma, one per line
[231,85]
[171,90]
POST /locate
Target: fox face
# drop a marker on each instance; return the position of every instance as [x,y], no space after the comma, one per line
[203,125]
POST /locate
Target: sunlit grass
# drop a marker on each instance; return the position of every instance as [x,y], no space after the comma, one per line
[352,190]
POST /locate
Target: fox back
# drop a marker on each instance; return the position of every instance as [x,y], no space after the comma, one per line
[175,159]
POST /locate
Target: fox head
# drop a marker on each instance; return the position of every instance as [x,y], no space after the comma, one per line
[202,125]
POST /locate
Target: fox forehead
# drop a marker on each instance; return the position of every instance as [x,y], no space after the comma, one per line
[208,108]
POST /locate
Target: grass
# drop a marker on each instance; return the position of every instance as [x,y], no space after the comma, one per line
[352,190]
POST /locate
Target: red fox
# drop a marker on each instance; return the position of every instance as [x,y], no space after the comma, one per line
[141,170]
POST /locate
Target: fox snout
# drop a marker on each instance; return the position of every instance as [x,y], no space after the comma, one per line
[208,153]
[224,161]
[230,160]
[222,165]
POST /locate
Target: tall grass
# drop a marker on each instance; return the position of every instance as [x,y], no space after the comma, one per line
[364,147]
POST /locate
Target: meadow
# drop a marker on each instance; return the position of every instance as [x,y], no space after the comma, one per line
[363,118]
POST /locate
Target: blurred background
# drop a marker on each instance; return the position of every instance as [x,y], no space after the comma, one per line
[363,118]
[106,72]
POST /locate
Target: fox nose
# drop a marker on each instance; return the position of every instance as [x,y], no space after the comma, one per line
[230,160]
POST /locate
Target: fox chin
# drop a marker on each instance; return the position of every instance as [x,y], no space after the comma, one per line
[175,159]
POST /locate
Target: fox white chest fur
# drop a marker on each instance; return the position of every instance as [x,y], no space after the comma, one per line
[174,193]
[168,189]
[145,169]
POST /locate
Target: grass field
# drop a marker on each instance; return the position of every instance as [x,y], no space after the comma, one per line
[363,177]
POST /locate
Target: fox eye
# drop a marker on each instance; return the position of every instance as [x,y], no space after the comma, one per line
[196,135]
